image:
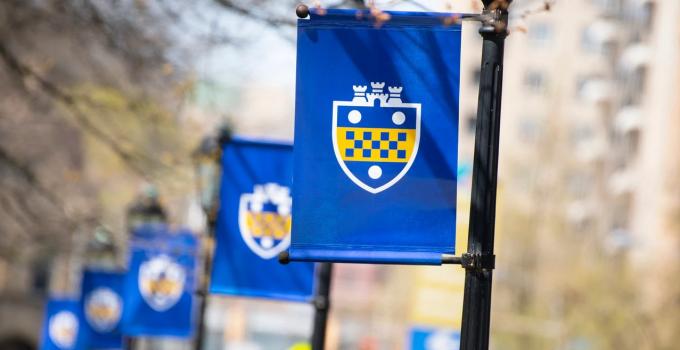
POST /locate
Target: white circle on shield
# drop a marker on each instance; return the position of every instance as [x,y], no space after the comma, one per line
[398,118]
[354,116]
[375,172]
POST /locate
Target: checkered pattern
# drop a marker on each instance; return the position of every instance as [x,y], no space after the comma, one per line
[268,224]
[375,145]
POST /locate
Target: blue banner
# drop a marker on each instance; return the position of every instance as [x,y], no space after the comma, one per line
[376,135]
[253,225]
[425,338]
[62,327]
[160,283]
[102,307]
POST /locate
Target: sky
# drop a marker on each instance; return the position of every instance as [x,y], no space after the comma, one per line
[261,59]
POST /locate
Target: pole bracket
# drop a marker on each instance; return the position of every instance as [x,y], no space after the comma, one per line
[478,261]
[471,261]
[320,302]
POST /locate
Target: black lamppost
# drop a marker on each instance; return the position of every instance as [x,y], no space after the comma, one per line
[146,209]
[479,261]
[208,170]
[101,250]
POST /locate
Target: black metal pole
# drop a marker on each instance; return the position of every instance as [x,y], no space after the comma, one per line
[480,254]
[321,304]
[202,291]
[129,343]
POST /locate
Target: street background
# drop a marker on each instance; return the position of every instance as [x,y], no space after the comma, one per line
[103,103]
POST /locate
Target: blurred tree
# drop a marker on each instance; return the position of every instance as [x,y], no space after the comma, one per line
[92,90]
[88,89]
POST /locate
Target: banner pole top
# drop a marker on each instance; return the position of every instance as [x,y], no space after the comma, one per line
[302,11]
[489,2]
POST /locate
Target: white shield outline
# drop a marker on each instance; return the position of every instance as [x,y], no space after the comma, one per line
[99,295]
[347,172]
[248,236]
[61,322]
[168,301]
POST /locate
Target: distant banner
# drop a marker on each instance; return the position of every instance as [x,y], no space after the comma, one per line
[160,284]
[254,222]
[376,137]
[102,306]
[424,338]
[62,328]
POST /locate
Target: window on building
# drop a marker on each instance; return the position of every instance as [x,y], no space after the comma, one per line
[622,206]
[581,134]
[609,7]
[529,129]
[589,43]
[580,184]
[534,81]
[593,87]
[631,144]
[648,13]
[599,37]
[540,34]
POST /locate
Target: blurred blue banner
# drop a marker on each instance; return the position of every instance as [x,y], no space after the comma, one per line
[62,327]
[422,338]
[102,306]
[160,283]
[253,226]
[376,135]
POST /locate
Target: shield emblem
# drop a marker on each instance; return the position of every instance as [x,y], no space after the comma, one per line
[265,219]
[161,282]
[103,309]
[376,136]
[63,329]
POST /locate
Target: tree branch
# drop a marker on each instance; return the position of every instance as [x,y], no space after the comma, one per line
[70,103]
[245,11]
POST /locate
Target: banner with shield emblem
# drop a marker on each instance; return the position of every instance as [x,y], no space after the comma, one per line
[159,286]
[62,326]
[254,222]
[102,307]
[376,134]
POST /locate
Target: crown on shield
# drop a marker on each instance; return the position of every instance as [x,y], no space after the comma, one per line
[377,87]
[395,93]
[377,92]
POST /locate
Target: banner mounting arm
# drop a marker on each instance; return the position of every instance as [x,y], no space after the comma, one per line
[471,261]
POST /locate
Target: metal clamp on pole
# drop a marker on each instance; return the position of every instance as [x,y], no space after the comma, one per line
[478,261]
[471,261]
[449,259]
[485,17]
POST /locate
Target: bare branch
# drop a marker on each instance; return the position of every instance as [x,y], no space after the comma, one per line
[70,102]
[266,19]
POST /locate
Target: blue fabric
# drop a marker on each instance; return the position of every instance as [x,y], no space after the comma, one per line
[63,327]
[425,338]
[102,304]
[376,134]
[256,180]
[160,283]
